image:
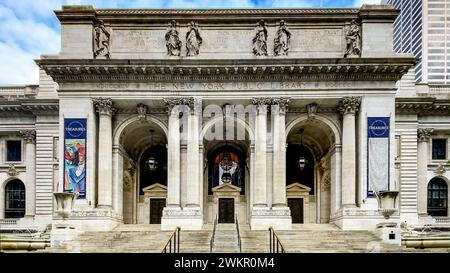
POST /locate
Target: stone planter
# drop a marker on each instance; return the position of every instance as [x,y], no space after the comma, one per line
[64,203]
[386,200]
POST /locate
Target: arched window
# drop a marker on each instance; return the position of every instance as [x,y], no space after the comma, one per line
[14,199]
[437,197]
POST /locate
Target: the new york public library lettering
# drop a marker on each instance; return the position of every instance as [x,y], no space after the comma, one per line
[203,123]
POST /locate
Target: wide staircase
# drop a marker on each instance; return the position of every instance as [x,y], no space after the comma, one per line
[226,239]
[321,238]
[310,238]
[135,239]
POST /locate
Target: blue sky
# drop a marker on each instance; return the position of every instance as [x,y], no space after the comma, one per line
[29,28]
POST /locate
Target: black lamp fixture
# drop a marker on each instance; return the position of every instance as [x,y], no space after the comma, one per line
[226,164]
[151,162]
[301,162]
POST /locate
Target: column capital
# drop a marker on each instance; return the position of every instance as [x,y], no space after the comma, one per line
[104,106]
[282,102]
[349,105]
[424,134]
[171,102]
[29,136]
[261,104]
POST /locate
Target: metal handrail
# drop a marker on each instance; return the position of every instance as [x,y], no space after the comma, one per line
[275,244]
[239,235]
[211,241]
[175,239]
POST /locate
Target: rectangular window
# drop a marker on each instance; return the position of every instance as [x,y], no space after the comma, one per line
[439,148]
[13,150]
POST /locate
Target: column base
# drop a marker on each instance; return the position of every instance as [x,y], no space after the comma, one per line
[263,218]
[360,219]
[187,218]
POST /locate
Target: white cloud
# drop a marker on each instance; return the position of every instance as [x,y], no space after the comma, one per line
[359,3]
[23,39]
[17,66]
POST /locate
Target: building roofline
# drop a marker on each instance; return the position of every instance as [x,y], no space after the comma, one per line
[70,14]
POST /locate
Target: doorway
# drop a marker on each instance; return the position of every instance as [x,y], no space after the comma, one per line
[156,208]
[226,210]
[296,207]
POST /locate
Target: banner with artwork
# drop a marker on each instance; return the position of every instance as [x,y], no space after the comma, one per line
[75,155]
[378,154]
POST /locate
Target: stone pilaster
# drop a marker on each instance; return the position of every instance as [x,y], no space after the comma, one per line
[279,108]
[348,107]
[260,195]
[193,145]
[105,110]
[189,218]
[423,137]
[29,137]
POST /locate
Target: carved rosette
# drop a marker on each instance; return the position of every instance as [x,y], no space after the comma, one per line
[424,134]
[349,105]
[440,169]
[312,110]
[104,106]
[12,171]
[29,136]
[141,110]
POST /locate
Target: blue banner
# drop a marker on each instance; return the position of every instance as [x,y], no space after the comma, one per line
[378,154]
[75,133]
[378,127]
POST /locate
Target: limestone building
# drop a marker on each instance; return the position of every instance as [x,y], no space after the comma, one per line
[273,117]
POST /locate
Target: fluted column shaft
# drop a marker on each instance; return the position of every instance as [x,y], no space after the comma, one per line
[423,136]
[30,161]
[349,107]
[105,110]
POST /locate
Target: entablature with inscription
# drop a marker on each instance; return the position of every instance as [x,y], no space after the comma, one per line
[269,69]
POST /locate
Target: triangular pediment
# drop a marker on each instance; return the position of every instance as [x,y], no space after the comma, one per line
[226,187]
[297,187]
[155,188]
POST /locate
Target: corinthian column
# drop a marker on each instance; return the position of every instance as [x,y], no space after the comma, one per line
[260,187]
[193,164]
[173,155]
[30,160]
[349,106]
[423,136]
[279,152]
[105,109]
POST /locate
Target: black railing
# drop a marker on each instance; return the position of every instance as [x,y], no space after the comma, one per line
[173,244]
[275,244]
[239,235]
[211,241]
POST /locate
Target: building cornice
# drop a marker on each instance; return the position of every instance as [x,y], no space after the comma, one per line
[267,69]
[36,107]
[86,14]
[423,106]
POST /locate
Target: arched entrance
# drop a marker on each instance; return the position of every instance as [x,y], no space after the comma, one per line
[15,199]
[226,172]
[437,197]
[311,169]
[141,158]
